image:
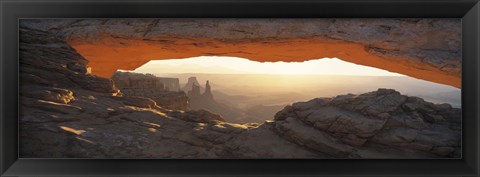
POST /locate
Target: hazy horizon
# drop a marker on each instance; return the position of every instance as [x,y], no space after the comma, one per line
[235,65]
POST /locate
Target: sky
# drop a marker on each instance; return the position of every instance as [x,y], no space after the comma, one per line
[234,65]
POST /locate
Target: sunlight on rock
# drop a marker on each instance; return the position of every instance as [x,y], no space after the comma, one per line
[85,140]
[71,130]
[397,48]
[219,127]
[152,124]
[199,128]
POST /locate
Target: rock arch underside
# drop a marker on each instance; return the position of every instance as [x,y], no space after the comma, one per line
[428,49]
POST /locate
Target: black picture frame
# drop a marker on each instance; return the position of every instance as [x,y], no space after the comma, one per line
[11,11]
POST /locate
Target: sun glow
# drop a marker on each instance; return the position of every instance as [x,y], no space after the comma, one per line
[234,65]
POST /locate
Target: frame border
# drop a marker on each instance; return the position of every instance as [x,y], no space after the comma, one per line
[12,10]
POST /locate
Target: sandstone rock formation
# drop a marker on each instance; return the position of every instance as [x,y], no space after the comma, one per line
[132,83]
[195,89]
[428,49]
[208,91]
[359,125]
[205,101]
[137,80]
[194,93]
[171,84]
[164,91]
[66,112]
[49,64]
[190,83]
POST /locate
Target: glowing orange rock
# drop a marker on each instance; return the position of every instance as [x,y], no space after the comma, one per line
[428,49]
[110,54]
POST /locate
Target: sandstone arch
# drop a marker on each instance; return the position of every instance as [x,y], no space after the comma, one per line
[428,49]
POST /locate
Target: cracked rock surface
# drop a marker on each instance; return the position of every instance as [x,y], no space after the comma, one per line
[356,125]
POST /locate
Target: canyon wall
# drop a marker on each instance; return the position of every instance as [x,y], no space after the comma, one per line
[164,91]
[170,84]
[428,49]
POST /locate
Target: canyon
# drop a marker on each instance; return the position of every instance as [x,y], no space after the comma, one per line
[190,98]
[69,109]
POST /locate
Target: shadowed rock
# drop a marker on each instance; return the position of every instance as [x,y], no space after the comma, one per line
[164,91]
[381,117]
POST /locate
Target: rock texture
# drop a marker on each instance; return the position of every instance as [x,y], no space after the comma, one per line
[48,64]
[66,112]
[143,81]
[359,125]
[428,49]
[164,91]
